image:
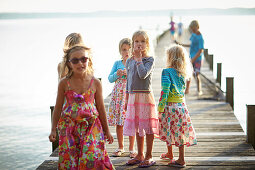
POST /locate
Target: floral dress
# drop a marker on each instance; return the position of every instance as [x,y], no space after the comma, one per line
[175,126]
[116,113]
[81,137]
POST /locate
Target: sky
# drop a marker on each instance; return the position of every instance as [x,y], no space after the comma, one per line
[97,5]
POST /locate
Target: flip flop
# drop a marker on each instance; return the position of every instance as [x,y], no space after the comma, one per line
[176,164]
[150,161]
[134,161]
[118,152]
[164,157]
[132,154]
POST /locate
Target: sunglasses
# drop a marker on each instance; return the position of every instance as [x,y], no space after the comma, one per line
[76,60]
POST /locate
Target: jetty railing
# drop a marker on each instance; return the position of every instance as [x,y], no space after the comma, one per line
[230,97]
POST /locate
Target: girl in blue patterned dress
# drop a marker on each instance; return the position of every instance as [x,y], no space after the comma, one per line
[175,127]
[116,112]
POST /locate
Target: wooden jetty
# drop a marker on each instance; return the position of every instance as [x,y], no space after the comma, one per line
[221,140]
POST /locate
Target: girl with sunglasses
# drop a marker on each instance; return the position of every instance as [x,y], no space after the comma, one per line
[81,120]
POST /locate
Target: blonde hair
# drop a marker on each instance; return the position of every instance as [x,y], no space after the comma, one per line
[194,24]
[146,37]
[70,41]
[178,59]
[124,41]
[66,58]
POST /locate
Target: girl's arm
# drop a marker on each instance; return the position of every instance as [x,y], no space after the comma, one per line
[113,74]
[184,45]
[145,69]
[101,109]
[165,85]
[57,109]
[197,55]
[200,47]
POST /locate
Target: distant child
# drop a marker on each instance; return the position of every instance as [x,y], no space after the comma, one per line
[180,27]
[172,28]
[175,127]
[81,122]
[141,116]
[116,113]
[71,40]
[196,52]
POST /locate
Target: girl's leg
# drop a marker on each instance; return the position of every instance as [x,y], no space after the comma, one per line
[187,86]
[119,131]
[140,146]
[199,88]
[181,156]
[170,152]
[131,143]
[148,156]
[149,143]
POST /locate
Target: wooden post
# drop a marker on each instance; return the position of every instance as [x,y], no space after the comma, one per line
[56,143]
[219,71]
[210,58]
[251,124]
[230,91]
[206,54]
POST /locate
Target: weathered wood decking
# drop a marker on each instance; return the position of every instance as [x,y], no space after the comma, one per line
[221,140]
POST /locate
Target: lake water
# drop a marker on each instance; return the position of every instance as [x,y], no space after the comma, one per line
[31,49]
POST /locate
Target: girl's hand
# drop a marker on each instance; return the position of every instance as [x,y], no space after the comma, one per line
[124,72]
[125,107]
[137,53]
[193,60]
[52,136]
[119,72]
[109,137]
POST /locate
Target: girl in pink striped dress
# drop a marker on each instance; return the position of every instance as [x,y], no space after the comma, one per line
[141,116]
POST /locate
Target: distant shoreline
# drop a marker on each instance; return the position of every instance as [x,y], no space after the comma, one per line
[175,12]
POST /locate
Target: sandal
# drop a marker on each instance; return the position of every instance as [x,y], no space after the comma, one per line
[176,164]
[118,152]
[148,163]
[133,161]
[132,154]
[164,156]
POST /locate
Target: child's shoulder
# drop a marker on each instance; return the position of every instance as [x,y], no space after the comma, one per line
[170,70]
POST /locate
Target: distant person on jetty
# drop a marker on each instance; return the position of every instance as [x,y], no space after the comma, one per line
[180,27]
[175,127]
[71,40]
[81,120]
[141,116]
[116,112]
[172,28]
[196,52]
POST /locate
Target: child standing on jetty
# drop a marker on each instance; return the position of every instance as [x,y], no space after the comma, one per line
[82,126]
[196,51]
[70,41]
[175,127]
[116,113]
[141,117]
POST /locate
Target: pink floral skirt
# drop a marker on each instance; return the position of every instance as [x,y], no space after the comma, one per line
[141,116]
[175,127]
